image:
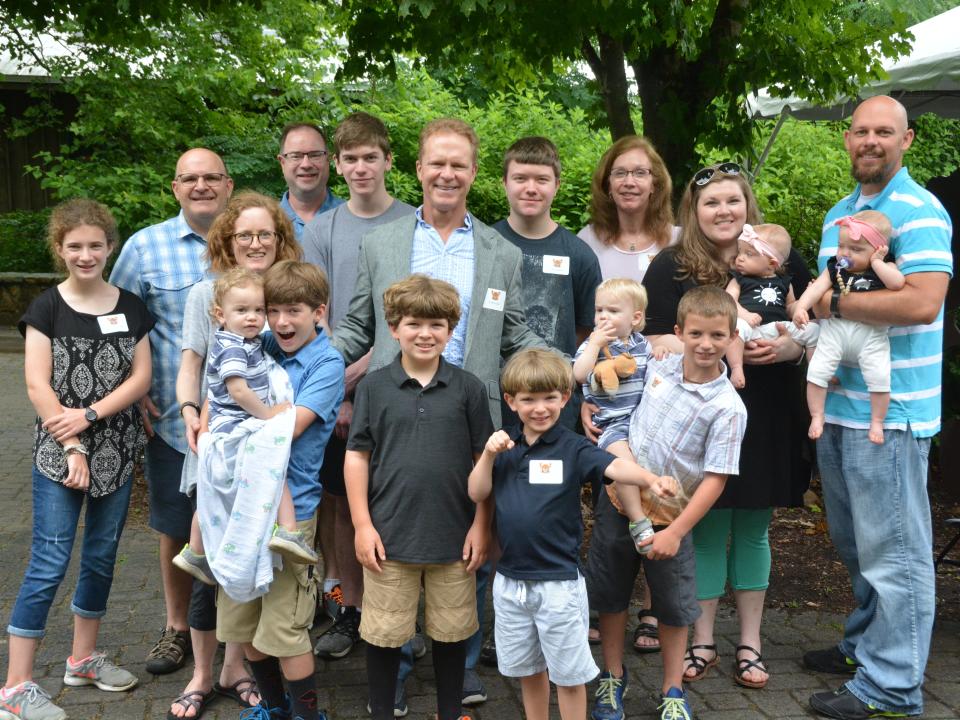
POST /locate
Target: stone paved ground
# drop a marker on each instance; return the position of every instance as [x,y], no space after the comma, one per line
[136,608]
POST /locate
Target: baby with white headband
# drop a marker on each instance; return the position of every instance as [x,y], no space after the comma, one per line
[860,266]
[760,285]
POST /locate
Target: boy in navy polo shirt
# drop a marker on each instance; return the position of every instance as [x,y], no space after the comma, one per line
[539,595]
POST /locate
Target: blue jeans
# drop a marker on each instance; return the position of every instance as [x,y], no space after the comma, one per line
[56,511]
[473,642]
[879,517]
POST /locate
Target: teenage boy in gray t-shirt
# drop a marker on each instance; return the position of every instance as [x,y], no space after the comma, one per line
[332,242]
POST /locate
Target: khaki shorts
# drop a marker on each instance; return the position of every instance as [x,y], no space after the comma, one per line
[391,598]
[278,623]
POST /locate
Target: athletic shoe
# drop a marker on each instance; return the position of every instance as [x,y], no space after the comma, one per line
[339,639]
[640,530]
[194,564]
[610,692]
[829,660]
[293,546]
[418,644]
[170,652]
[488,652]
[474,692]
[674,705]
[262,712]
[400,708]
[333,601]
[97,670]
[29,701]
[844,705]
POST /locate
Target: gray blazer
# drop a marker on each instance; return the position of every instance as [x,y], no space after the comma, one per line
[491,334]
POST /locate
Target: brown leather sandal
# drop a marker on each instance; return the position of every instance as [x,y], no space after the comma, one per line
[742,666]
[698,663]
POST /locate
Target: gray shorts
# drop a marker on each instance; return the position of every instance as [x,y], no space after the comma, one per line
[543,625]
[613,564]
[170,510]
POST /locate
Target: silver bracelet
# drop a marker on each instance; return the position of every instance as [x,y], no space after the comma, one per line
[77,449]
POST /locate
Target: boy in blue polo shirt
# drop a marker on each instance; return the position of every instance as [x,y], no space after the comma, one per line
[539,594]
[274,628]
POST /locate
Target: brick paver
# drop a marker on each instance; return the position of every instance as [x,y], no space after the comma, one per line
[136,614]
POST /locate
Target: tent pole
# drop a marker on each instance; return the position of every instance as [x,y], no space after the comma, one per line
[784,112]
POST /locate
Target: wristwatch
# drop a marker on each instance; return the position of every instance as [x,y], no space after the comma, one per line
[91,415]
[835,304]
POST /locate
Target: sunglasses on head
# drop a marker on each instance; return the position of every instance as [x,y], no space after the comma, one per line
[704,176]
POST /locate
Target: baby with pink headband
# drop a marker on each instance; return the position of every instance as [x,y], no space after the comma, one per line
[761,287]
[860,266]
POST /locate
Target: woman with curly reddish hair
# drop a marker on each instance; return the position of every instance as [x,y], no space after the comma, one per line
[254,233]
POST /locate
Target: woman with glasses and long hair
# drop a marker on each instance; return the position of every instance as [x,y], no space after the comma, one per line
[731,541]
[253,233]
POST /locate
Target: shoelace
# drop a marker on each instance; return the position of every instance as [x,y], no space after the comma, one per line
[674,709]
[36,695]
[607,690]
[336,595]
[168,641]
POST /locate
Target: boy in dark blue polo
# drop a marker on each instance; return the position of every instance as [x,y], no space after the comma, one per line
[539,594]
[418,426]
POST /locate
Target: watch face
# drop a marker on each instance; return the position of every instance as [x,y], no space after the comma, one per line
[90,414]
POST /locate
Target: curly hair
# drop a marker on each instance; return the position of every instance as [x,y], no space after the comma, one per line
[72,214]
[603,211]
[696,256]
[219,239]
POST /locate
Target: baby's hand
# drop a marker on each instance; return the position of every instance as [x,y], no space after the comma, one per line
[801,318]
[664,486]
[279,408]
[879,254]
[753,319]
[602,334]
[499,442]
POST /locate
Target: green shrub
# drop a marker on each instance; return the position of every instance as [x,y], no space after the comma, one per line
[23,242]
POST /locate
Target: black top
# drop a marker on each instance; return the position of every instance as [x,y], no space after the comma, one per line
[765,296]
[856,282]
[92,356]
[537,492]
[776,455]
[422,441]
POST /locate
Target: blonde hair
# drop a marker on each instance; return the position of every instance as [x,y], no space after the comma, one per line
[289,282]
[658,220]
[421,296]
[707,301]
[779,238]
[696,256]
[535,370]
[220,237]
[449,125]
[627,289]
[238,277]
[879,221]
[72,214]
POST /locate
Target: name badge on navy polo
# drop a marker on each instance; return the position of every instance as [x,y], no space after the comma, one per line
[546,472]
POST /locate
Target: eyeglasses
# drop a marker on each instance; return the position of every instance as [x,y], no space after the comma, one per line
[266,237]
[313,155]
[209,179]
[621,174]
[728,168]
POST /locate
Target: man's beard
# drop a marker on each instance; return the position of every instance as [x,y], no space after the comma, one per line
[871,176]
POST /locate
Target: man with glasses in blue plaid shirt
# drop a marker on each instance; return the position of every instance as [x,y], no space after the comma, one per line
[305,162]
[160,264]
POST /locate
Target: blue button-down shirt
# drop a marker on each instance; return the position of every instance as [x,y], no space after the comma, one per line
[160,264]
[451,261]
[298,224]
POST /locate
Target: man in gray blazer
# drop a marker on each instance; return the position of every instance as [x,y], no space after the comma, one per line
[444,241]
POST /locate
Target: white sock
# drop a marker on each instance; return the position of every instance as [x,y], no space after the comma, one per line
[330,583]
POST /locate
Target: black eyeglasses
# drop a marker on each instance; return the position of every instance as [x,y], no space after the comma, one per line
[704,175]
[188,180]
[313,156]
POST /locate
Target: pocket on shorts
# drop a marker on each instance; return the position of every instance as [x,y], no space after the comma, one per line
[306,597]
[383,590]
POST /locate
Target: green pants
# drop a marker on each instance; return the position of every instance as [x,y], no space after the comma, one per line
[746,563]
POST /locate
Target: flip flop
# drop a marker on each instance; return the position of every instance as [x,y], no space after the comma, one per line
[742,666]
[197,700]
[647,630]
[238,694]
[700,664]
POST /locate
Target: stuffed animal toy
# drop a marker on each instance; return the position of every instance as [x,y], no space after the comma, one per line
[607,373]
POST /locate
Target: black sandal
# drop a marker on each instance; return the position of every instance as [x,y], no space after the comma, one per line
[742,666]
[701,665]
[197,700]
[647,630]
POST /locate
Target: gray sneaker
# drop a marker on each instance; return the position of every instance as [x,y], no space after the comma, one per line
[640,530]
[97,670]
[339,639]
[194,564]
[29,702]
[293,546]
[474,692]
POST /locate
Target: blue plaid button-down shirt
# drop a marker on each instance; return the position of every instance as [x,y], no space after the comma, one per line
[451,261]
[160,264]
[298,224]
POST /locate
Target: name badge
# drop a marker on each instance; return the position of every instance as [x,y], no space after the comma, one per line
[556,264]
[546,472]
[495,299]
[655,385]
[113,323]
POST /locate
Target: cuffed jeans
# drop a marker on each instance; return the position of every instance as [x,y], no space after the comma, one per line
[879,517]
[56,511]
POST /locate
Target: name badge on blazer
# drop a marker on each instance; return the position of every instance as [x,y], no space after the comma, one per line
[546,472]
[495,299]
[556,265]
[113,323]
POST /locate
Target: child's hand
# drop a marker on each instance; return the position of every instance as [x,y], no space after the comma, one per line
[602,334]
[663,545]
[660,352]
[801,318]
[879,254]
[664,486]
[279,408]
[498,443]
[369,548]
[753,319]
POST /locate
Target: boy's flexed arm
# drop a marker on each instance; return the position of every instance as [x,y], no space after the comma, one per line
[665,543]
[480,482]
[356,477]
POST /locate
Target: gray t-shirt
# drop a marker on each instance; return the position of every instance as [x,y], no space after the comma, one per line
[198,329]
[331,241]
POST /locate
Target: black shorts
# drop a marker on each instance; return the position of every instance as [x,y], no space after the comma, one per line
[613,563]
[331,472]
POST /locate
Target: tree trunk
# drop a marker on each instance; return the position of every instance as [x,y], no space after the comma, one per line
[609,67]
